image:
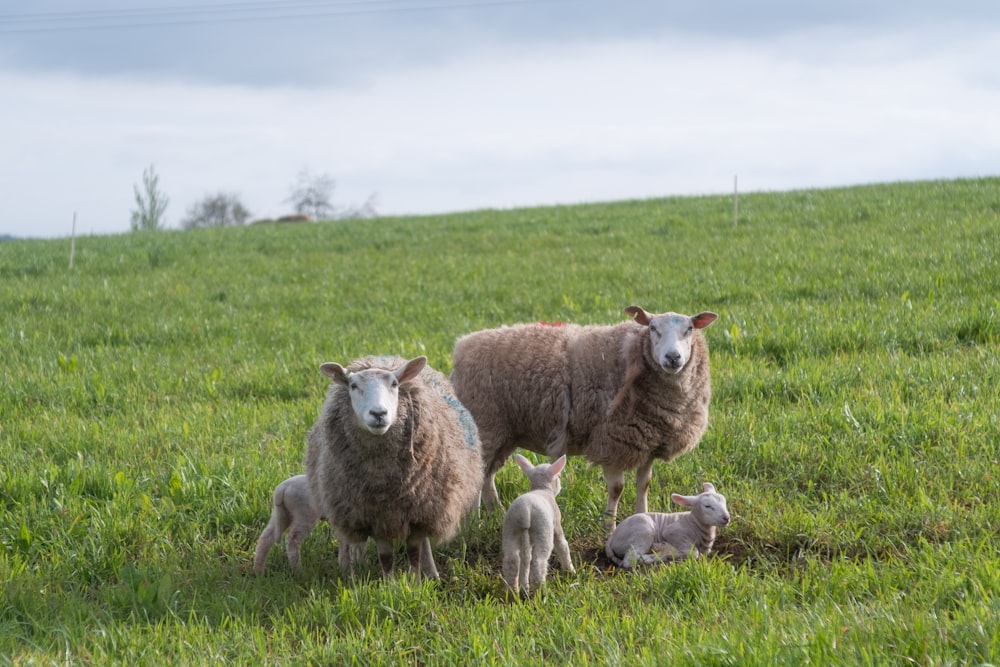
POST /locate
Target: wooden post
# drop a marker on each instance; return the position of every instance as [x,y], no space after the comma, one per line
[72,242]
[736,200]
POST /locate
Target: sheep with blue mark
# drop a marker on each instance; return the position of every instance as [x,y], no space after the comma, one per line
[394,456]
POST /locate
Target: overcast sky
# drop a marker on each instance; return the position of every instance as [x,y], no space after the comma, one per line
[445,105]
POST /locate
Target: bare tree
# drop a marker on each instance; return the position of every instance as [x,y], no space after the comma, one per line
[150,203]
[218,210]
[366,210]
[313,195]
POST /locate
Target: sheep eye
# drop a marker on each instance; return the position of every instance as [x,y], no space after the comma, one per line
[395,383]
[653,329]
[354,386]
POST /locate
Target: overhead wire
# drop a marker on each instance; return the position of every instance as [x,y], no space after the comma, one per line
[262,10]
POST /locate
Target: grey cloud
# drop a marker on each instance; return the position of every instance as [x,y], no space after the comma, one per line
[342,44]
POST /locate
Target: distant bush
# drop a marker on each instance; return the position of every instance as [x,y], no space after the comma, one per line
[218,210]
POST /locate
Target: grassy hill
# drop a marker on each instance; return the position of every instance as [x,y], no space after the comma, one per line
[154,395]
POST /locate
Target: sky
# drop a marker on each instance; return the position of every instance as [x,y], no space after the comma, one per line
[435,106]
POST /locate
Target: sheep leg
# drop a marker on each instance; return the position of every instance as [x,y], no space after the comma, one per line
[615,480]
[561,547]
[270,536]
[418,550]
[264,544]
[349,554]
[293,543]
[511,568]
[385,556]
[489,496]
[643,476]
[539,568]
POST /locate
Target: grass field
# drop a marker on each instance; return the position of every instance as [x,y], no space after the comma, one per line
[154,395]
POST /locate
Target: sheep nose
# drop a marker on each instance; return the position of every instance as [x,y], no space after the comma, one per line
[379,415]
[672,359]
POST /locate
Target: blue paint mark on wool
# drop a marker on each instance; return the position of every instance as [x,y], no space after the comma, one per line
[464,416]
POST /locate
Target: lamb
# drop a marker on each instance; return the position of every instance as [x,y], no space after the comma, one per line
[622,395]
[654,537]
[293,511]
[393,456]
[532,527]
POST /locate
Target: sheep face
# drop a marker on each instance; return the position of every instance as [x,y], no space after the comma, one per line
[670,335]
[709,506]
[374,392]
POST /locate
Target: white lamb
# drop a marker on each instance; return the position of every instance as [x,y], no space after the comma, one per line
[654,537]
[293,511]
[532,528]
[623,396]
[393,456]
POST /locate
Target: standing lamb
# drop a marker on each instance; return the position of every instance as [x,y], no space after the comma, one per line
[621,395]
[293,511]
[654,537]
[393,456]
[532,527]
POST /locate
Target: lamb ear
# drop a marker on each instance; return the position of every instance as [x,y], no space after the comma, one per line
[709,487]
[687,501]
[557,466]
[639,314]
[523,463]
[335,371]
[702,320]
[411,369]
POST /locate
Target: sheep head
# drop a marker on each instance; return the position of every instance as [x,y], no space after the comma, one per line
[709,506]
[670,334]
[544,476]
[374,392]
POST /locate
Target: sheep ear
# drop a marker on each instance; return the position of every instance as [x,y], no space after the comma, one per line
[702,320]
[687,501]
[335,371]
[557,466]
[523,463]
[709,487]
[411,369]
[639,314]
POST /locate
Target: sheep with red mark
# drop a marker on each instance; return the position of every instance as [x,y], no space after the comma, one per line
[623,395]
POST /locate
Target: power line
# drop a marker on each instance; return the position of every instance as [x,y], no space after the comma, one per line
[181,15]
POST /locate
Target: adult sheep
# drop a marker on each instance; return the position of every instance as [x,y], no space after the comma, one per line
[393,456]
[622,395]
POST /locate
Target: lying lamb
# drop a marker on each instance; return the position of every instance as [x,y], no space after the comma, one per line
[393,456]
[653,537]
[622,395]
[293,511]
[532,527]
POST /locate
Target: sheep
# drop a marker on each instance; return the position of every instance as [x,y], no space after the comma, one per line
[393,456]
[532,527]
[622,395]
[653,537]
[293,511]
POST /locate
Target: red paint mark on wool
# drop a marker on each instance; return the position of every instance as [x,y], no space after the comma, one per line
[552,324]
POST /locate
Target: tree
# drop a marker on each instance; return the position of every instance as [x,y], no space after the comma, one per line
[366,210]
[313,195]
[150,203]
[218,210]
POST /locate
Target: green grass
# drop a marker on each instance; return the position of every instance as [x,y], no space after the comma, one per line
[153,396]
